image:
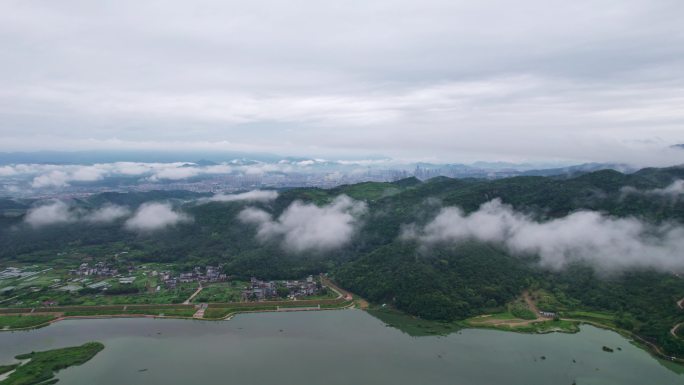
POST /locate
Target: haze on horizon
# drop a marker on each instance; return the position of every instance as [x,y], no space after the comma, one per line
[449,81]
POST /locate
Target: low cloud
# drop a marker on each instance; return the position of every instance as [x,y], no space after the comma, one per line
[607,243]
[51,213]
[307,227]
[51,179]
[676,188]
[7,171]
[673,191]
[55,212]
[59,178]
[249,196]
[106,214]
[62,175]
[176,173]
[155,216]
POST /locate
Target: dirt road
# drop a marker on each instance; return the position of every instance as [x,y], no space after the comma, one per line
[199,289]
[530,304]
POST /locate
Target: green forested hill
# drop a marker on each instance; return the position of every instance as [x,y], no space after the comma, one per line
[445,282]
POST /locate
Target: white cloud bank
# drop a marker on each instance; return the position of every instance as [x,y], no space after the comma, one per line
[107,213]
[59,178]
[155,216]
[62,175]
[605,242]
[56,212]
[40,176]
[307,227]
[48,214]
[249,196]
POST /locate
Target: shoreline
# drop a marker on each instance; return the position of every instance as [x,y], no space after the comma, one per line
[112,316]
[647,346]
[651,348]
[343,296]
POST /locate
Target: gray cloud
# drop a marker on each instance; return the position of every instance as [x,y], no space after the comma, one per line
[605,242]
[155,216]
[307,227]
[54,212]
[249,196]
[431,80]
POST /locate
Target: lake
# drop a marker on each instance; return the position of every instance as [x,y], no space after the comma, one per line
[334,347]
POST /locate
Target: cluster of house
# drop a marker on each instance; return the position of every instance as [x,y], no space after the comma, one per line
[211,274]
[100,269]
[260,290]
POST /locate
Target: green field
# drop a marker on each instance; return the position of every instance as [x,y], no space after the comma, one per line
[47,287]
[221,292]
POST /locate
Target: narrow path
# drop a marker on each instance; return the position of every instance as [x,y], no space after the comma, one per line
[199,289]
[200,311]
[530,303]
[673,331]
[340,292]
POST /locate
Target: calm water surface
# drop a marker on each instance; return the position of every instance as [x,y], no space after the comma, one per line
[333,347]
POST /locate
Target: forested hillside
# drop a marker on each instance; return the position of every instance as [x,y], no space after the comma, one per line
[442,280]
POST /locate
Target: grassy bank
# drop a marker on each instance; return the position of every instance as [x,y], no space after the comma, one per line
[42,366]
[9,322]
[411,325]
[219,311]
[168,312]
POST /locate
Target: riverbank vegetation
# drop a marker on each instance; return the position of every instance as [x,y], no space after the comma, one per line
[41,366]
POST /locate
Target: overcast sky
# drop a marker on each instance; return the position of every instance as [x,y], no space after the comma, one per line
[451,80]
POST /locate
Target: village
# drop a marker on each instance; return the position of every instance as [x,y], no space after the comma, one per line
[168,278]
[102,283]
[262,290]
